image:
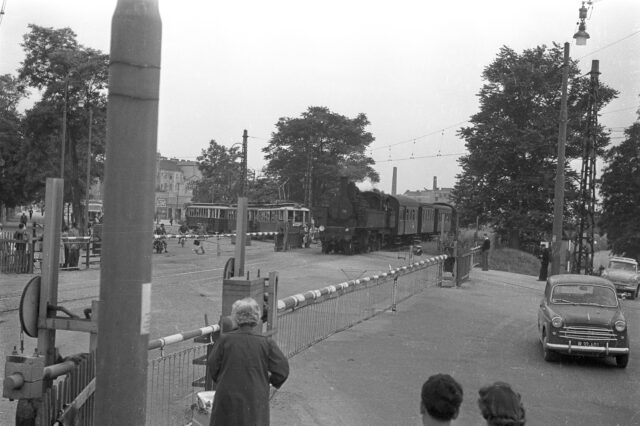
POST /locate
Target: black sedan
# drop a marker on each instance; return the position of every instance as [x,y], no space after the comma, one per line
[581,315]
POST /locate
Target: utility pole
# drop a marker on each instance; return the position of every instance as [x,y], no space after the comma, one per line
[558,203]
[125,280]
[241,219]
[583,254]
[243,179]
[64,127]
[86,207]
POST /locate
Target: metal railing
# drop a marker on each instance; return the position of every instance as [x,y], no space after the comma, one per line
[70,399]
[305,319]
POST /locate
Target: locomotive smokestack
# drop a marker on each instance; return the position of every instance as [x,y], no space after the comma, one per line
[435,183]
[394,181]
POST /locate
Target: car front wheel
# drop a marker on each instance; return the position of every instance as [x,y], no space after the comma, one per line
[547,354]
[622,360]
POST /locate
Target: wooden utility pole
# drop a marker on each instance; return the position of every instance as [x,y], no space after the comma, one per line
[558,203]
[125,280]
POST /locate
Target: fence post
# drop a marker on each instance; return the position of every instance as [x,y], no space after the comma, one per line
[394,293]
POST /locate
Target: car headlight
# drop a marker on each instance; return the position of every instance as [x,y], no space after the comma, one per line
[321,228]
[556,322]
[621,325]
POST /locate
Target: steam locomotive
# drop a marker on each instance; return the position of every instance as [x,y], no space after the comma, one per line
[357,221]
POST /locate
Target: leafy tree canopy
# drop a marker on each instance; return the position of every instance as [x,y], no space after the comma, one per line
[221,175]
[11,137]
[221,170]
[620,190]
[69,76]
[508,176]
[324,145]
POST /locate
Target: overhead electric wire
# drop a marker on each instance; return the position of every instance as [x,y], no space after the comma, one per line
[4,4]
[610,44]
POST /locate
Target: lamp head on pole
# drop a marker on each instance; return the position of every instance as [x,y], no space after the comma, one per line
[582,35]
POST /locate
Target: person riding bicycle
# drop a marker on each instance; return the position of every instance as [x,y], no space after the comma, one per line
[161,232]
[183,230]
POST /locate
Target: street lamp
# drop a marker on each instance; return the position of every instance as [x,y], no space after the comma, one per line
[582,35]
[558,204]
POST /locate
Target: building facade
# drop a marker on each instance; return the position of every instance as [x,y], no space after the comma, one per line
[174,183]
[435,195]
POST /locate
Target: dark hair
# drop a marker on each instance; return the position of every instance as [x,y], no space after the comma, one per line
[501,406]
[441,396]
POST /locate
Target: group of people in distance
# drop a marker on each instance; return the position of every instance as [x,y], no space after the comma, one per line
[245,363]
[441,398]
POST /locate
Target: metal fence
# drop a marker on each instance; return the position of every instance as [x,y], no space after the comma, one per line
[171,394]
[70,401]
[305,319]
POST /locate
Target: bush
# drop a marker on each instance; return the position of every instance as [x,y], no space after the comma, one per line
[516,261]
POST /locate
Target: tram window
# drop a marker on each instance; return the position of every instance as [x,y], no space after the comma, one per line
[298,216]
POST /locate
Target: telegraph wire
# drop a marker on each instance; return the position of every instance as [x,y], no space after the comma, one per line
[4,4]
[435,132]
[415,157]
[610,44]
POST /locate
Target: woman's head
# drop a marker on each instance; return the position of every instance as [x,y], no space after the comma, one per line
[245,312]
[501,406]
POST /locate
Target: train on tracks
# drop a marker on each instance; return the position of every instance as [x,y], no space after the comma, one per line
[213,218]
[357,221]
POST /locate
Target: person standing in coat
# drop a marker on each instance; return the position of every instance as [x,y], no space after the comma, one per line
[486,246]
[544,263]
[243,364]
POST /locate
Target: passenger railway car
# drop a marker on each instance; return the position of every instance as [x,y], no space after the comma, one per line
[356,221]
[221,218]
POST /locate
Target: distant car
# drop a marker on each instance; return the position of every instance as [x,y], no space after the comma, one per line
[623,273]
[581,315]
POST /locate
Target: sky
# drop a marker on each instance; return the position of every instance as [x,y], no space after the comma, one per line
[413,67]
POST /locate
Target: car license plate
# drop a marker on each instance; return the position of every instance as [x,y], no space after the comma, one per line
[581,343]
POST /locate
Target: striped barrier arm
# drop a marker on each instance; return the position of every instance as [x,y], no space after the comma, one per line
[200,236]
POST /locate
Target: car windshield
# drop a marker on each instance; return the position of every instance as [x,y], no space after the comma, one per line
[584,294]
[622,266]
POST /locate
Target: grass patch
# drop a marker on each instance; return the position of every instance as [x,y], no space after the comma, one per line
[516,261]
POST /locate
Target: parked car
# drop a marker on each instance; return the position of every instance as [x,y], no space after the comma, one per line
[582,315]
[623,273]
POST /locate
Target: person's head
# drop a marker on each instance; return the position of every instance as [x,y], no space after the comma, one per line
[501,406]
[20,226]
[441,397]
[245,312]
[486,237]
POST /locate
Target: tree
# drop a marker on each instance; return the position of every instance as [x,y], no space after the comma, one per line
[221,170]
[11,138]
[72,76]
[507,178]
[620,190]
[320,146]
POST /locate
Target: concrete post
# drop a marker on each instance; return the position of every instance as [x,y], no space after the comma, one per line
[125,282]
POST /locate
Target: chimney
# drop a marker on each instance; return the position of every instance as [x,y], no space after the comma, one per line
[394,181]
[435,183]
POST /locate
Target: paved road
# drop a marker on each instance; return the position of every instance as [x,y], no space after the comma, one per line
[480,333]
